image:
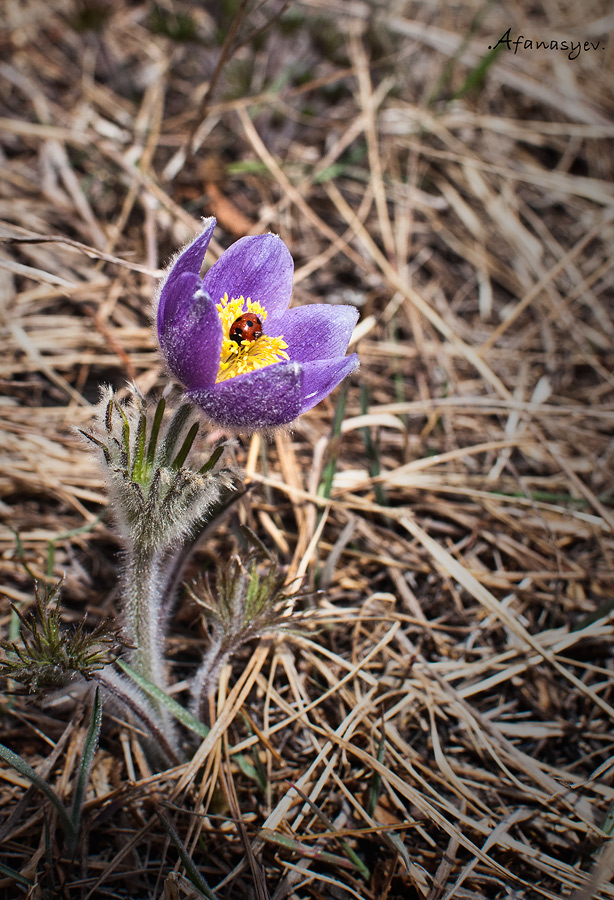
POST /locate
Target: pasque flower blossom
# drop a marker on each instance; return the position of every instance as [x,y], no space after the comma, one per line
[246,359]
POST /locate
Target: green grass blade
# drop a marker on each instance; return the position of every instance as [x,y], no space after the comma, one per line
[372,449]
[328,474]
[11,873]
[376,779]
[192,872]
[89,749]
[476,76]
[34,778]
[82,529]
[20,553]
[354,858]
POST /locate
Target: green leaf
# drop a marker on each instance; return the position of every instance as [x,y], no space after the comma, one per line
[185,447]
[173,433]
[249,166]
[250,771]
[212,460]
[155,431]
[138,466]
[176,709]
[308,852]
[125,432]
[608,823]
[182,714]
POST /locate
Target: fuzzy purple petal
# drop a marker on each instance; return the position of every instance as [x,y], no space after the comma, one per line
[190,333]
[188,261]
[261,399]
[319,331]
[258,267]
[191,340]
[321,376]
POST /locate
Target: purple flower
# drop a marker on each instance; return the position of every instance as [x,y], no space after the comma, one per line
[246,359]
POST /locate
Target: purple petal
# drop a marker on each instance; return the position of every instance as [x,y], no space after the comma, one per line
[191,340]
[188,261]
[322,376]
[191,259]
[261,399]
[259,267]
[316,332]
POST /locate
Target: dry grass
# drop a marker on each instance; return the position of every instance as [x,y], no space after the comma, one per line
[449,716]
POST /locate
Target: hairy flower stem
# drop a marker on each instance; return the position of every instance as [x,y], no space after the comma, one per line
[162,740]
[207,676]
[145,625]
[148,574]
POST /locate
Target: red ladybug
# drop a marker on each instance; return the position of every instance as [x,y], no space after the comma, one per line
[247,327]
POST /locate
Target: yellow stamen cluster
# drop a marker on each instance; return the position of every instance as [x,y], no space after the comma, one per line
[236,359]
